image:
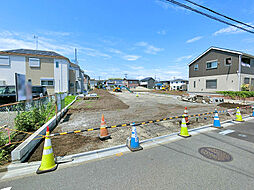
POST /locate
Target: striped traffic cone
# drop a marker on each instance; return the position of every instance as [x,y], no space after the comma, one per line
[186,116]
[103,130]
[48,161]
[133,143]
[184,130]
[216,121]
[238,115]
[252,111]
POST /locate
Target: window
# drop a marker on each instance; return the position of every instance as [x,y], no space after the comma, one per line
[4,60]
[211,65]
[196,67]
[34,62]
[228,61]
[194,84]
[246,80]
[245,62]
[211,84]
[47,82]
[57,64]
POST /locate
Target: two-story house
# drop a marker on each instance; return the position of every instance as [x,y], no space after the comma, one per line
[131,83]
[219,69]
[178,84]
[148,82]
[41,68]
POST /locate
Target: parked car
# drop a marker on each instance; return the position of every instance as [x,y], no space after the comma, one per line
[8,93]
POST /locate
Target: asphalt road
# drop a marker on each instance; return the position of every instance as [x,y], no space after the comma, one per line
[176,165]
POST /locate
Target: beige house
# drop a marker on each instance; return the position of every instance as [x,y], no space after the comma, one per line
[42,68]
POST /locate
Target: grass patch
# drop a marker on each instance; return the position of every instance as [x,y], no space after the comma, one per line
[68,99]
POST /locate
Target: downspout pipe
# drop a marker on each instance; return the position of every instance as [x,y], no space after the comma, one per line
[239,72]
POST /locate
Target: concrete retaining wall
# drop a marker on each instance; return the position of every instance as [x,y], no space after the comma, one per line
[21,153]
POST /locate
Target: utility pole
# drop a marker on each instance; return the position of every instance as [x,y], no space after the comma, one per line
[36,41]
[76,56]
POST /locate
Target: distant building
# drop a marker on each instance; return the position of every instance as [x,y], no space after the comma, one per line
[148,82]
[86,82]
[93,83]
[41,68]
[179,84]
[131,83]
[114,81]
[219,69]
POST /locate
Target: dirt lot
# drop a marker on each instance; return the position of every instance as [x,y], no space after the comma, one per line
[119,108]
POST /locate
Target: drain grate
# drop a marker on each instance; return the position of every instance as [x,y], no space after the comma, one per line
[215,154]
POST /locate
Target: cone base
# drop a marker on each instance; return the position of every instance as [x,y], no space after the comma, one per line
[217,127]
[44,171]
[102,138]
[184,136]
[239,121]
[135,149]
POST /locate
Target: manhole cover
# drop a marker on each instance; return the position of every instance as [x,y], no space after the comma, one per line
[215,154]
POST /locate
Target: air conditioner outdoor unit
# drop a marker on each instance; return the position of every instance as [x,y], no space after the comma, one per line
[2,82]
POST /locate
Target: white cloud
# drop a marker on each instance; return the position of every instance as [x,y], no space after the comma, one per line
[116,51]
[54,33]
[186,57]
[131,57]
[194,39]
[149,49]
[229,30]
[162,32]
[135,67]
[93,52]
[19,40]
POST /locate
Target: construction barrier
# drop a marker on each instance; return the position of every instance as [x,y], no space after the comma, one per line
[141,123]
[114,126]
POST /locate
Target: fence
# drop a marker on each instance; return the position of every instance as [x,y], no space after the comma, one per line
[18,118]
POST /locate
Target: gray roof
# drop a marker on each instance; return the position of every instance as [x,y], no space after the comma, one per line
[146,79]
[175,80]
[33,52]
[220,49]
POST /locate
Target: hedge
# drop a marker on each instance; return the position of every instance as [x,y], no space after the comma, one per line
[240,94]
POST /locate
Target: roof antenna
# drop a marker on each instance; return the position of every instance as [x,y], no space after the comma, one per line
[36,41]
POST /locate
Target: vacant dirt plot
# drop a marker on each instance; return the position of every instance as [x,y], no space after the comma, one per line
[105,102]
[125,108]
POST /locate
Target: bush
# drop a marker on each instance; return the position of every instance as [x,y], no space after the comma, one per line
[240,94]
[29,120]
[34,119]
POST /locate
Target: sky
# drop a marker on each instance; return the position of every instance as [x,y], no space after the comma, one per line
[140,38]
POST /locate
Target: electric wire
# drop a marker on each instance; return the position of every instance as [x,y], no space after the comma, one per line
[207,15]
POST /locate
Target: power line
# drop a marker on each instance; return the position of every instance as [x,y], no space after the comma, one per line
[209,16]
[240,22]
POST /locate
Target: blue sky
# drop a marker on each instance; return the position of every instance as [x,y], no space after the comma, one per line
[141,38]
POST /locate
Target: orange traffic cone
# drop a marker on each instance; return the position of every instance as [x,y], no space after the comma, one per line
[103,131]
[186,116]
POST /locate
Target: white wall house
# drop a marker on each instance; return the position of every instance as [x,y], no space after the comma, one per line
[42,68]
[9,65]
[178,84]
